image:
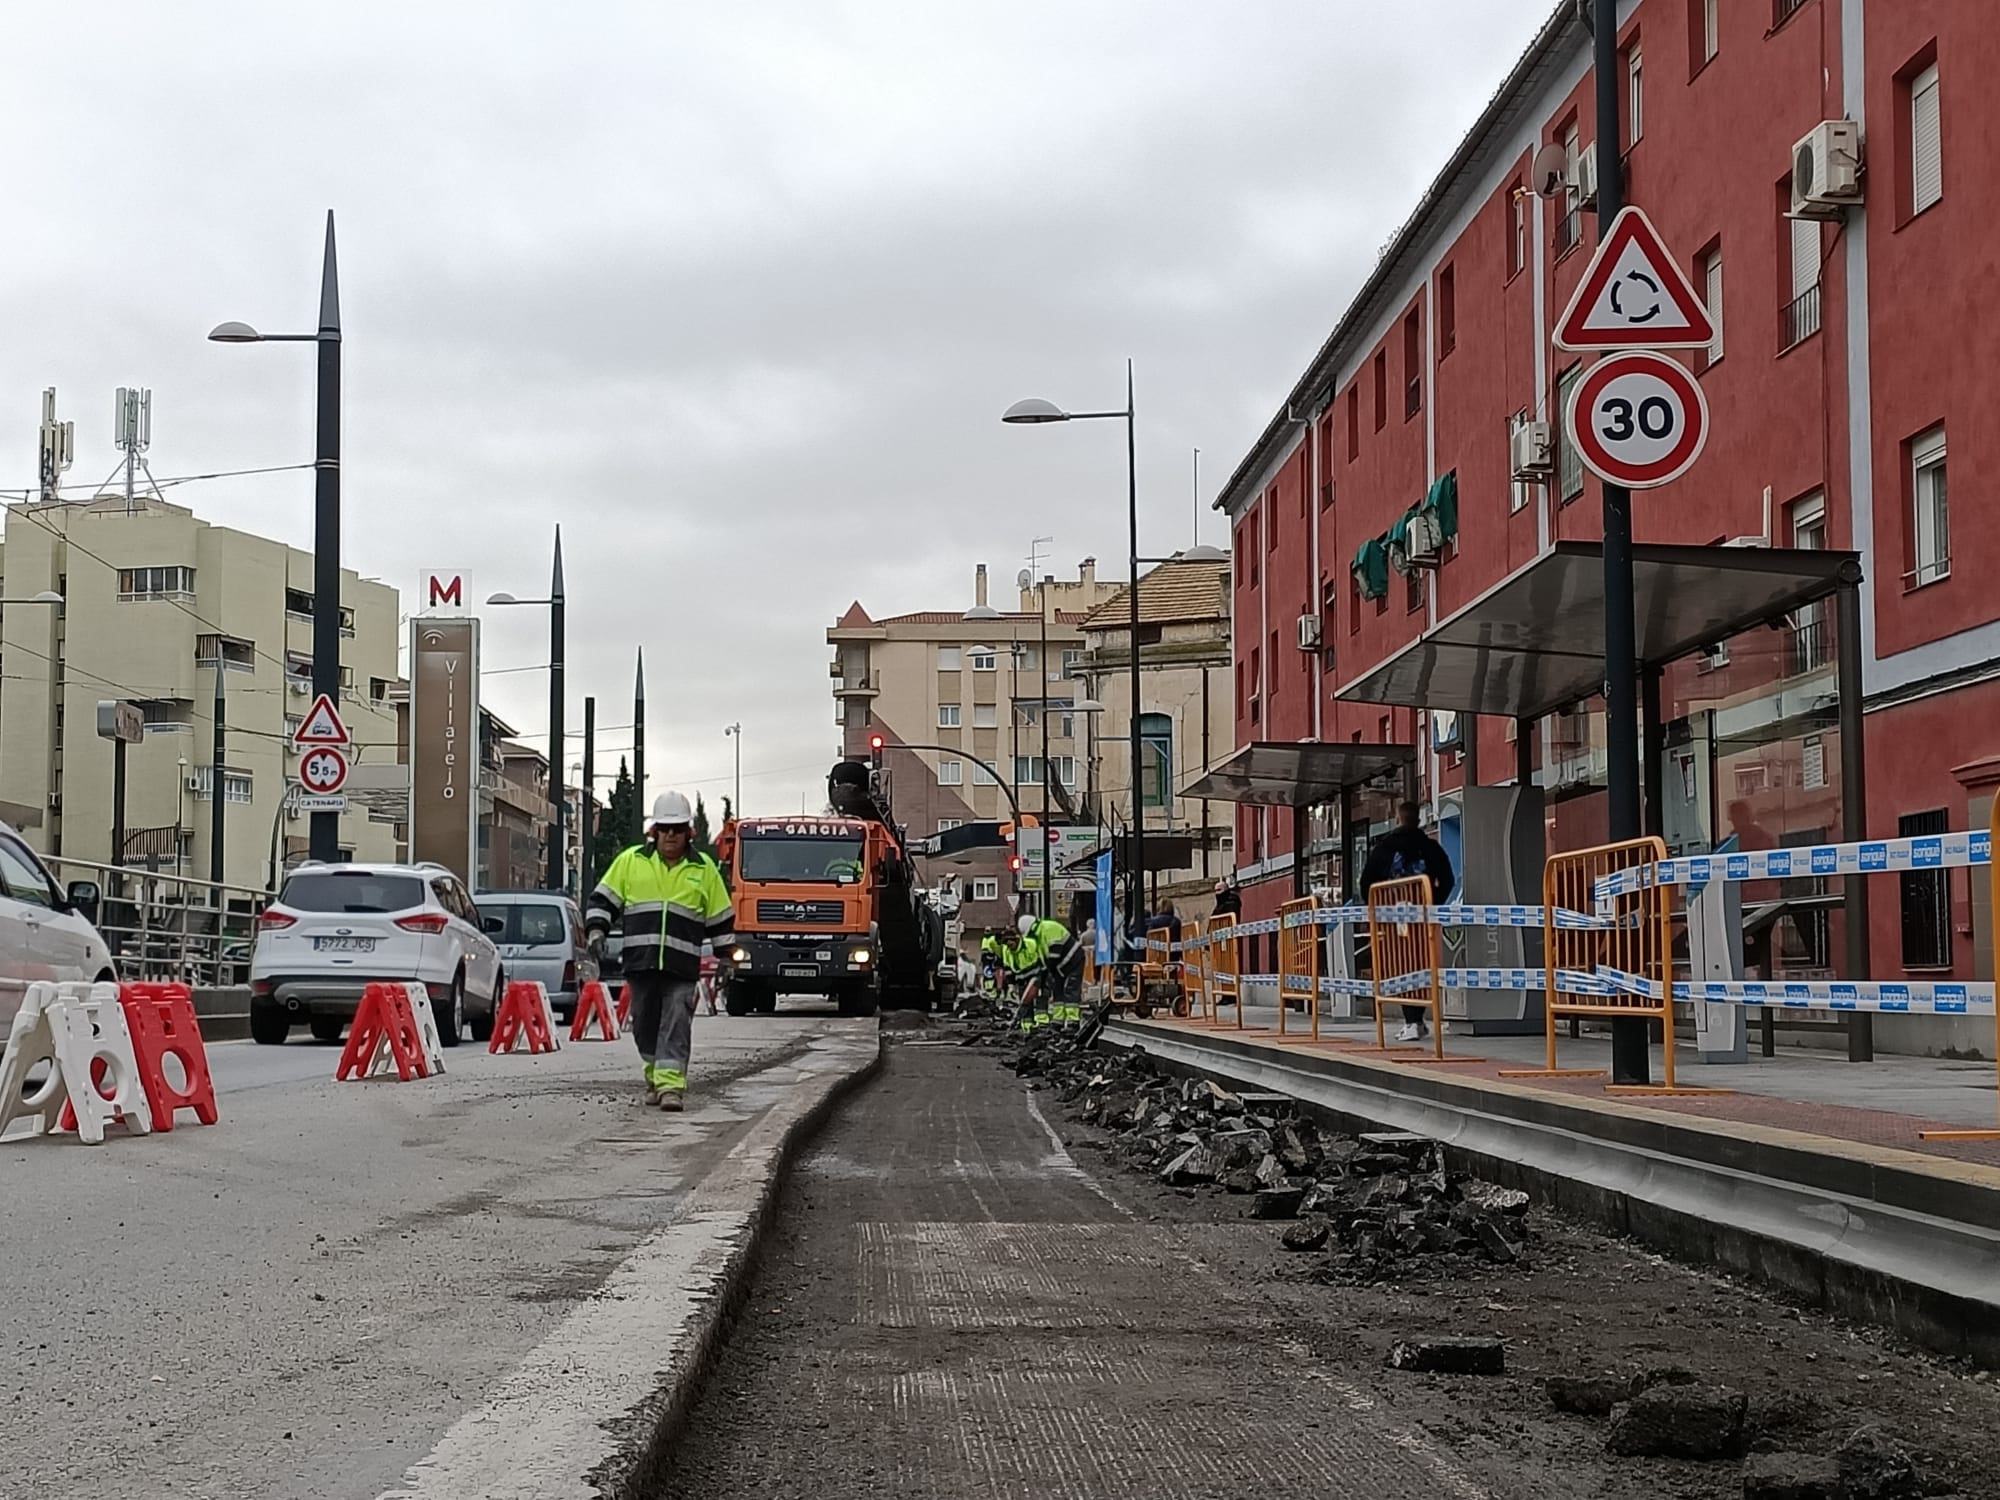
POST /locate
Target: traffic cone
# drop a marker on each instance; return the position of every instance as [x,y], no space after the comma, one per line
[593,1003]
[524,1016]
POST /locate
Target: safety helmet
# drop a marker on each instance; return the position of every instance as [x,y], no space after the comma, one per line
[670,808]
[1026,924]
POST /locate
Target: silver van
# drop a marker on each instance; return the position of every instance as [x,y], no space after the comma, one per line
[540,937]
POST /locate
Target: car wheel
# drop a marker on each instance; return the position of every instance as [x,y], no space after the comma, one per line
[453,1015]
[269,1024]
[327,1028]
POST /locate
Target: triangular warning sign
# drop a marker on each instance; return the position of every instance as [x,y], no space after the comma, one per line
[321,726]
[1633,295]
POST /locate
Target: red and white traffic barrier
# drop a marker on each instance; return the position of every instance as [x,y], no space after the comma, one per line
[526,1016]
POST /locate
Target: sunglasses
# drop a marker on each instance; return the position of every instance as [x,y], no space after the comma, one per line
[672,828]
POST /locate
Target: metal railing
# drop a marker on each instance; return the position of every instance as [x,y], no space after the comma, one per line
[1801,318]
[164,926]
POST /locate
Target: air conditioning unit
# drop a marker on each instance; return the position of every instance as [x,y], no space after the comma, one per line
[1826,170]
[1424,540]
[1531,451]
[298,687]
[1309,632]
[55,801]
[196,783]
[1586,176]
[1712,659]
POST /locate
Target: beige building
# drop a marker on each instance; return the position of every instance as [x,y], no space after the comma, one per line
[157,602]
[975,681]
[1186,721]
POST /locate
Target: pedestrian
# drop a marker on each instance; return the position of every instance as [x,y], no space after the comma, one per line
[1228,900]
[1407,850]
[671,900]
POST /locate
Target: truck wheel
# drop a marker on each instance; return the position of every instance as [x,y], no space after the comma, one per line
[737,999]
[859,1000]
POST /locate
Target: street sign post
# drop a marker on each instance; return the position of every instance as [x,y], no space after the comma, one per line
[322,771]
[322,725]
[1638,419]
[1634,296]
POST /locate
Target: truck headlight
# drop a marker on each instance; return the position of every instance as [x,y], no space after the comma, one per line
[859,956]
[739,955]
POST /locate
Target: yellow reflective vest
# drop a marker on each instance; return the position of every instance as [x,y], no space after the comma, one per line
[668,911]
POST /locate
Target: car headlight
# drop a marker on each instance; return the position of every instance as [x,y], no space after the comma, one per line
[739,955]
[859,956]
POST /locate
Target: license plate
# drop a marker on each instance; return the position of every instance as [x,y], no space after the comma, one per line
[343,945]
[798,971]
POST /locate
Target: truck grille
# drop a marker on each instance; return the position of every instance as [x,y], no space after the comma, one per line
[823,913]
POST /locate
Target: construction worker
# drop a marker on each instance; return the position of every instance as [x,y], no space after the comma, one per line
[671,900]
[1018,959]
[1058,965]
[989,962]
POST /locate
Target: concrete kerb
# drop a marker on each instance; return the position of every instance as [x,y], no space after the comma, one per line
[639,1473]
[224,1013]
[1923,1275]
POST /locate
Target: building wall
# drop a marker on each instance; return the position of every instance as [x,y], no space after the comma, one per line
[144,648]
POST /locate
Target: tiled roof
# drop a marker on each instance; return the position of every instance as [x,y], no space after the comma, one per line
[1172,593]
[855,618]
[957,617]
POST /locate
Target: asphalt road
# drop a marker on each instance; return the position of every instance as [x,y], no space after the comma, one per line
[299,1302]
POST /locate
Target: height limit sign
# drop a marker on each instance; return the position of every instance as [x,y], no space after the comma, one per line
[1638,419]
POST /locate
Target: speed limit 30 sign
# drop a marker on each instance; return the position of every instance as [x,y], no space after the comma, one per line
[1638,419]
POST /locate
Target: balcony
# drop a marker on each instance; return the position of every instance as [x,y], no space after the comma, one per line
[1800,320]
[860,688]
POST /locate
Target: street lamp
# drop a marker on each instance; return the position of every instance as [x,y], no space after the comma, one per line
[325,834]
[1035,412]
[735,732]
[559,824]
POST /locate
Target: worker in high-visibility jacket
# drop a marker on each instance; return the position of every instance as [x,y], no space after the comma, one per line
[1019,959]
[671,900]
[989,961]
[1059,969]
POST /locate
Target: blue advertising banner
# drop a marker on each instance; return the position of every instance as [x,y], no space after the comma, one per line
[1106,924]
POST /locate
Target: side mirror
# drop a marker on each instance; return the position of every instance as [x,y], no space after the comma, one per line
[492,926]
[84,897]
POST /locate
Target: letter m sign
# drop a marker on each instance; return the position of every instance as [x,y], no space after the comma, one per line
[447,592]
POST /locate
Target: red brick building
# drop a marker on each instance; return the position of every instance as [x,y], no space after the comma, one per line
[1853,354]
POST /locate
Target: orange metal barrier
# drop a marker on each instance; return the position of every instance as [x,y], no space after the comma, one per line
[1993,888]
[1637,940]
[1405,948]
[1194,972]
[1298,963]
[1225,984]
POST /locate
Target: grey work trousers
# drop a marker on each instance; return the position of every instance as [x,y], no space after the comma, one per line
[663,1025]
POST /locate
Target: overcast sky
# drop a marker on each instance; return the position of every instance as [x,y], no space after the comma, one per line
[736,292]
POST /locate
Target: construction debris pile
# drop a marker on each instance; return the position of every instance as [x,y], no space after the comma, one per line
[1385,1204]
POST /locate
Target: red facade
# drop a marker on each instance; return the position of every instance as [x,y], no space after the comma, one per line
[1845,348]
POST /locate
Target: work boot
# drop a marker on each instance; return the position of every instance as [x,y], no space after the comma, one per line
[652,1096]
[673,1101]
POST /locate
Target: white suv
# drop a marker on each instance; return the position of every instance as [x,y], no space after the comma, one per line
[334,929]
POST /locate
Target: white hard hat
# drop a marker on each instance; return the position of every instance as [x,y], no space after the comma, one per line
[670,807]
[1027,923]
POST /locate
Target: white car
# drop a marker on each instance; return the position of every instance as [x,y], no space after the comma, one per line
[45,932]
[335,929]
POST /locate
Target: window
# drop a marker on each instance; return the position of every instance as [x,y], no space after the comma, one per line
[1926,142]
[1517,489]
[378,690]
[1413,365]
[951,773]
[981,776]
[1072,656]
[1381,388]
[299,665]
[948,658]
[982,658]
[1783,10]
[1270,513]
[1353,422]
[1811,643]
[1708,271]
[237,655]
[347,622]
[23,875]
[1413,591]
[1065,768]
[167,715]
[1569,463]
[1704,36]
[985,716]
[1926,899]
[1801,320]
[1517,218]
[1447,311]
[1635,95]
[985,888]
[1156,750]
[1026,658]
[1066,726]
[948,716]
[156,583]
[1931,532]
[1027,770]
[1027,715]
[1569,228]
[945,825]
[236,785]
[1326,497]
[299,602]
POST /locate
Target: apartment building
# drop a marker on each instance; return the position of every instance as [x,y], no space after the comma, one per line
[970,687]
[1186,722]
[158,605]
[1819,169]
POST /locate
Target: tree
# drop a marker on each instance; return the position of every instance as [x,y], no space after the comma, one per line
[621,815]
[701,841]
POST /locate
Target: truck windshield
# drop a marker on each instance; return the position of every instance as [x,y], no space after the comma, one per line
[800,859]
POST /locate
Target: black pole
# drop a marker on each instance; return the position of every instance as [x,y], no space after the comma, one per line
[638,832]
[1048,771]
[1631,1062]
[118,813]
[559,824]
[325,832]
[587,878]
[215,798]
[1853,802]
[1524,752]
[1652,738]
[1136,891]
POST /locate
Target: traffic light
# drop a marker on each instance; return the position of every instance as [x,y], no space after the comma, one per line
[1014,863]
[875,751]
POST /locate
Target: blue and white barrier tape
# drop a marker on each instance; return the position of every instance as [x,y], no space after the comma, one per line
[1883,996]
[1868,857]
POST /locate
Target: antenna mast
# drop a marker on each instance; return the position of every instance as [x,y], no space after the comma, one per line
[58,448]
[133,424]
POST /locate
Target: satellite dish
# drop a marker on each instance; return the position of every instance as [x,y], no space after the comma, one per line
[1023,579]
[1551,170]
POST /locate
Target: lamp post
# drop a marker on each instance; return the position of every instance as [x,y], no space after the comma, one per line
[325,835]
[1034,412]
[735,732]
[559,823]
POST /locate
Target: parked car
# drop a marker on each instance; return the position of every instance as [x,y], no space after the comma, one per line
[45,932]
[541,938]
[335,929]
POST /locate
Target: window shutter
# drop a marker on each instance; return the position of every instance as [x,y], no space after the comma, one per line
[1926,156]
[1712,295]
[1805,256]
